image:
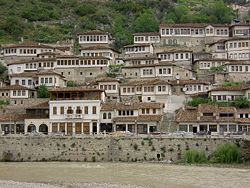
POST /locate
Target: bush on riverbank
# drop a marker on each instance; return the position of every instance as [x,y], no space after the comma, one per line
[195,156]
[227,153]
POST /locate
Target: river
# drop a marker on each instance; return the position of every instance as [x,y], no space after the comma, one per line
[119,175]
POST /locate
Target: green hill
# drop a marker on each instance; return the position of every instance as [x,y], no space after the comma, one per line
[49,21]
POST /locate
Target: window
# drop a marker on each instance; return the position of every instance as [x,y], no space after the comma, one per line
[86,110]
[62,110]
[29,82]
[54,110]
[94,110]
[23,82]
[109,115]
[154,111]
[104,116]
[50,80]
[69,110]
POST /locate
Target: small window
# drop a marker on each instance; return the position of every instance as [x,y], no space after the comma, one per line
[86,110]
[94,110]
[54,110]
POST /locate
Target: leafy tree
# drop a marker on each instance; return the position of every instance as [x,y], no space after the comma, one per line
[146,22]
[197,101]
[241,102]
[14,26]
[230,84]
[217,69]
[2,68]
[120,32]
[85,9]
[71,83]
[42,92]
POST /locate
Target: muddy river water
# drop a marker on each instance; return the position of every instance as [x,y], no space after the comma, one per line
[116,175]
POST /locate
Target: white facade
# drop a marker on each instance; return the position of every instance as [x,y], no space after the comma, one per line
[93,38]
[82,112]
[238,49]
[146,38]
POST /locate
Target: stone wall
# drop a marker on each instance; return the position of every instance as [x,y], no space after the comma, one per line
[104,149]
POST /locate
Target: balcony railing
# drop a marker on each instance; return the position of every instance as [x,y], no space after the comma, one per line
[73,116]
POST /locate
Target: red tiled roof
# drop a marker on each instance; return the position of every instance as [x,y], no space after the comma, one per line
[186,82]
[136,45]
[44,105]
[12,117]
[185,25]
[98,47]
[93,32]
[75,89]
[28,45]
[147,34]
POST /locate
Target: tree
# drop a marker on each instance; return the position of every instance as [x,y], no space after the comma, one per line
[121,33]
[43,92]
[241,102]
[146,22]
[2,68]
[197,101]
[71,83]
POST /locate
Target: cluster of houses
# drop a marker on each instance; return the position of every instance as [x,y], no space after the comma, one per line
[157,74]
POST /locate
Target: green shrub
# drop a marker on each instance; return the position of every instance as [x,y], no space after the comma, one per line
[195,156]
[227,153]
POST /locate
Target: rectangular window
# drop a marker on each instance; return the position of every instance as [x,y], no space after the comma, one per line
[62,110]
[86,110]
[54,110]
[94,110]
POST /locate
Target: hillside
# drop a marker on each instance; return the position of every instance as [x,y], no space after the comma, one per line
[50,21]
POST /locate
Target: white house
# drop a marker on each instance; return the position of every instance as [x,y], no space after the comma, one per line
[75,110]
[144,38]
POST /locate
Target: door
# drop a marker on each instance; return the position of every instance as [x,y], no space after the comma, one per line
[78,128]
[86,127]
[69,128]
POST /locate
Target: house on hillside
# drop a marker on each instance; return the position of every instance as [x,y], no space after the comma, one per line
[138,118]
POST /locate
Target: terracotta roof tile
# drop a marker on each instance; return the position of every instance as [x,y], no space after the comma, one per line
[98,47]
[150,57]
[12,117]
[28,45]
[147,34]
[185,25]
[146,118]
[77,89]
[44,105]
[228,88]
[94,32]
[186,82]
[136,45]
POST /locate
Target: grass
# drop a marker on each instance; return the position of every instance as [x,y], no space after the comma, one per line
[227,154]
[195,156]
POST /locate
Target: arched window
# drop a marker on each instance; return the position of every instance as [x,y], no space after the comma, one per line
[109,115]
[104,116]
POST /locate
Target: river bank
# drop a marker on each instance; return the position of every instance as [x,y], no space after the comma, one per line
[127,175]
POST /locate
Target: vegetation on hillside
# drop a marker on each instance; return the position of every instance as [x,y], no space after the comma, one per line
[49,21]
[240,102]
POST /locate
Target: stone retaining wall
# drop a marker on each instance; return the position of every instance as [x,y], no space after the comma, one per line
[104,149]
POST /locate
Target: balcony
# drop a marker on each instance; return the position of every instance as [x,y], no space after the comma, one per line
[73,116]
